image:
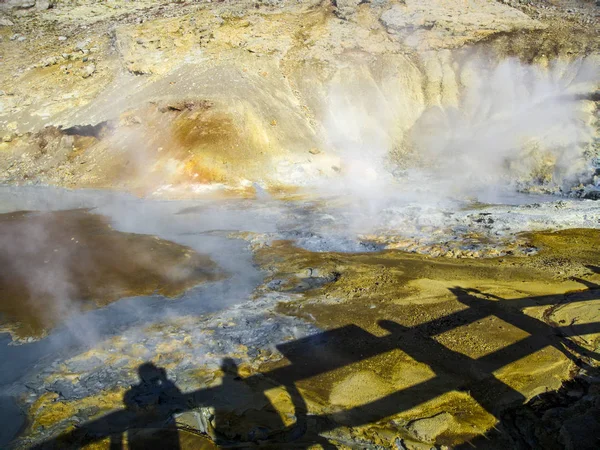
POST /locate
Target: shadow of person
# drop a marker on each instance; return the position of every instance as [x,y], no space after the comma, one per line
[242,411]
[244,416]
[153,402]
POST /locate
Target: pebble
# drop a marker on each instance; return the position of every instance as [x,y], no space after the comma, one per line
[88,70]
[62,38]
[50,61]
[81,46]
[4,22]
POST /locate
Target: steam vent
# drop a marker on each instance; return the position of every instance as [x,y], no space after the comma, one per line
[300,224]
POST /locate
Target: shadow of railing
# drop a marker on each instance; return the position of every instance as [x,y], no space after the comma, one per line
[154,402]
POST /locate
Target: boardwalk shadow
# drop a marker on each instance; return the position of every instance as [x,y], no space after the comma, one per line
[152,405]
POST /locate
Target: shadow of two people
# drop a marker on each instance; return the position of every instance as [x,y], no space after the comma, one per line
[153,404]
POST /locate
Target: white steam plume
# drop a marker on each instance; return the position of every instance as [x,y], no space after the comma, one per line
[516,125]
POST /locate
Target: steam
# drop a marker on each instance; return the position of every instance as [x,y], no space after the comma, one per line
[30,255]
[515,126]
[50,284]
[359,123]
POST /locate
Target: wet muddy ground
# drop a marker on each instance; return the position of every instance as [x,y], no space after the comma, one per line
[58,263]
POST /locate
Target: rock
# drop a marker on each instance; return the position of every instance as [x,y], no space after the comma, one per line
[88,70]
[399,443]
[85,365]
[44,4]
[592,195]
[198,420]
[394,18]
[50,61]
[21,4]
[429,428]
[82,45]
[68,390]
[5,22]
[132,120]
[7,138]
[581,433]
[346,8]
[62,38]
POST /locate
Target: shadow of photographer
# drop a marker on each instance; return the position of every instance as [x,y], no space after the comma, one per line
[156,399]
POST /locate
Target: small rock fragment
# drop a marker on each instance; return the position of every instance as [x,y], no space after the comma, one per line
[427,429]
[88,70]
[44,4]
[50,61]
[5,22]
[22,4]
[346,8]
[82,45]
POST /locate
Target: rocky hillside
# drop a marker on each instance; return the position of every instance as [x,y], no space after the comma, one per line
[183,97]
